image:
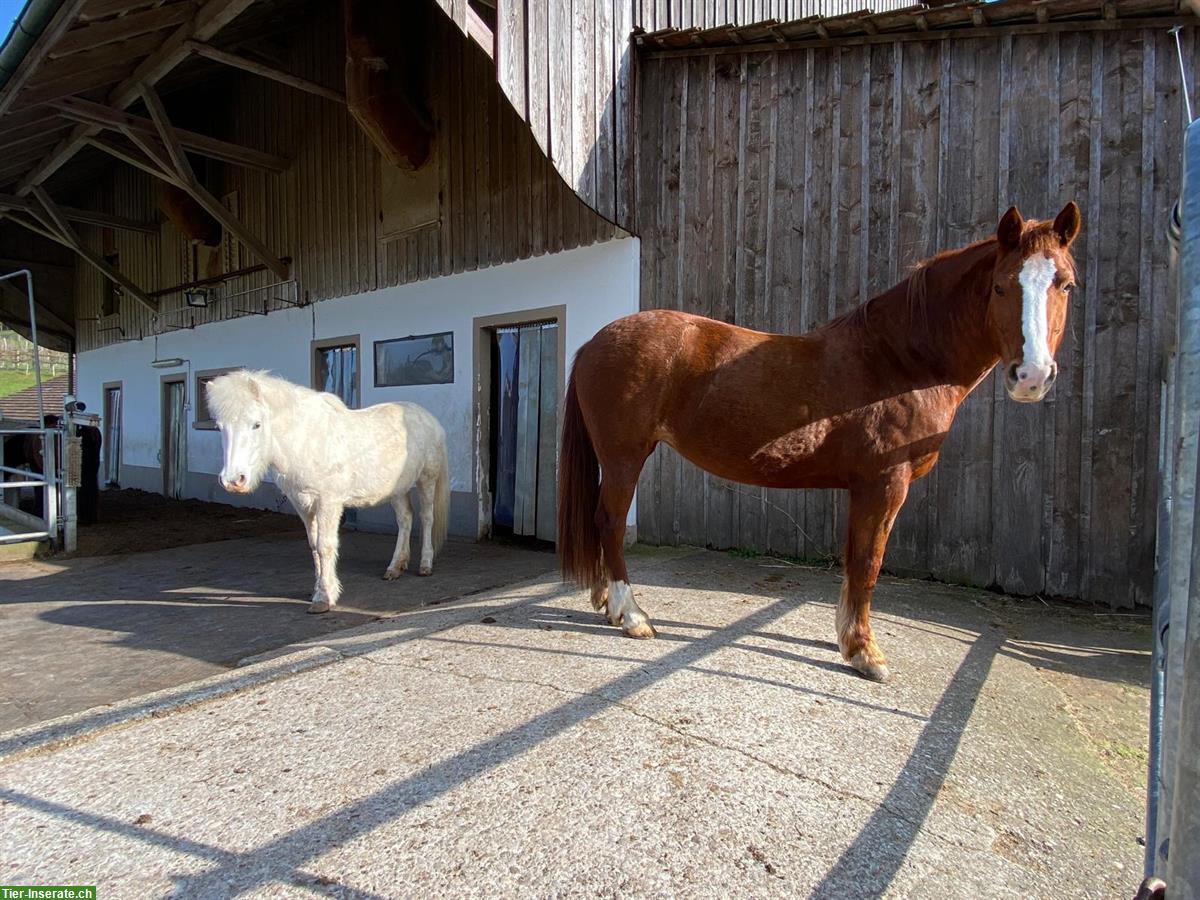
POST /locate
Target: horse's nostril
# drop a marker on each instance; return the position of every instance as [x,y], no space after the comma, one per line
[1052,376]
[1012,372]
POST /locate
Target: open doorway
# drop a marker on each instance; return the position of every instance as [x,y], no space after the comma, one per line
[520,363]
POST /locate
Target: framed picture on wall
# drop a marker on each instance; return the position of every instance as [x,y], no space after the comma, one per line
[416,359]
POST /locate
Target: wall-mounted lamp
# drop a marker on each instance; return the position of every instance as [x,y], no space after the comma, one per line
[196,298]
[170,363]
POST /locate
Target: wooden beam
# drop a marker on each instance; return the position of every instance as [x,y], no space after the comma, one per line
[168,135]
[88,37]
[51,89]
[103,9]
[214,207]
[211,18]
[56,218]
[33,59]
[44,313]
[250,65]
[99,58]
[125,155]
[84,216]
[479,32]
[101,116]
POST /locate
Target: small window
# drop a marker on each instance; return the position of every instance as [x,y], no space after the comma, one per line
[204,419]
[418,359]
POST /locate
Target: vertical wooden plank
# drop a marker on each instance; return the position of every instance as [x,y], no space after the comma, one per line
[583,106]
[528,406]
[1116,316]
[751,249]
[537,46]
[960,528]
[624,140]
[725,166]
[918,191]
[785,509]
[466,102]
[547,459]
[817,506]
[649,169]
[605,98]
[510,54]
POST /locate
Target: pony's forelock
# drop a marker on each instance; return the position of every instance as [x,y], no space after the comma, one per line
[232,392]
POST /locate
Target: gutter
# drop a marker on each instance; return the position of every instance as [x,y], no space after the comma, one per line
[26,29]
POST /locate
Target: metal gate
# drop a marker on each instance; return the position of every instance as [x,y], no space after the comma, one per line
[1173,798]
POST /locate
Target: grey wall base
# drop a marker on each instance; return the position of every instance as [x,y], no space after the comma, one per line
[463,506]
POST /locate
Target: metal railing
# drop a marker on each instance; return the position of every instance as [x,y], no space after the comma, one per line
[47,527]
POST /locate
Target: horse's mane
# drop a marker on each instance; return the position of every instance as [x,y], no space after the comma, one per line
[920,307]
[230,393]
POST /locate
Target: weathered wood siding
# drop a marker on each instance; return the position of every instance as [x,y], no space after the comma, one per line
[777,189]
[501,198]
[568,68]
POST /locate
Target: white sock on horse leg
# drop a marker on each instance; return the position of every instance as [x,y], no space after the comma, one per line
[624,611]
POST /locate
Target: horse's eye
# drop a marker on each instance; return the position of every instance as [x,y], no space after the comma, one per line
[999,290]
[258,424]
[1069,286]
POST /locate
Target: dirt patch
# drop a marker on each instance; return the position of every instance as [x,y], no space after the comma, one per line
[133,521]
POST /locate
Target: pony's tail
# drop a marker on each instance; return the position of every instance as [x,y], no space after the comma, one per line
[578,498]
[441,498]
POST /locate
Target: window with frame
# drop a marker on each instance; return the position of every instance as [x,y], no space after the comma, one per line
[204,419]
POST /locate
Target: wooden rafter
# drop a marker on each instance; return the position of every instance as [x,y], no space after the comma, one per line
[33,59]
[54,225]
[130,156]
[250,65]
[102,117]
[83,216]
[116,30]
[210,19]
[181,169]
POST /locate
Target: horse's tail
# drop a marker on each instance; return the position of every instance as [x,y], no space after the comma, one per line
[441,497]
[578,498]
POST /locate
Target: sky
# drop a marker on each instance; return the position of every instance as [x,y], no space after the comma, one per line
[9,10]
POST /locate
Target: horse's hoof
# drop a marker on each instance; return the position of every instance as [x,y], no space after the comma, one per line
[392,574]
[319,606]
[425,570]
[872,670]
[641,630]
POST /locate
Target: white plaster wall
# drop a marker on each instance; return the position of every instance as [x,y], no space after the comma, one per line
[597,284]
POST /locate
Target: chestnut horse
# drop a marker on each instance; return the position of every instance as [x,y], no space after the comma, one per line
[862,403]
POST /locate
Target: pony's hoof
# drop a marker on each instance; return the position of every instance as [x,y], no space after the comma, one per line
[425,570]
[393,574]
[319,606]
[641,630]
[872,670]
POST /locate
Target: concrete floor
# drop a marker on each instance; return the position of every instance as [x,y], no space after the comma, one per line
[512,745]
[91,631]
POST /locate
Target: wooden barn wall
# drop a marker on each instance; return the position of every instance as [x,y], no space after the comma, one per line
[779,189]
[501,198]
[568,68]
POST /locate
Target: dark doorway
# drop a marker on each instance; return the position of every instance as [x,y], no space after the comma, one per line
[524,430]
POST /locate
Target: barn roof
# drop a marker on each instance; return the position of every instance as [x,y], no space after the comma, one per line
[920,20]
[22,406]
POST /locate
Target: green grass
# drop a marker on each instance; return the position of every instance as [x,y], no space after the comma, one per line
[11,382]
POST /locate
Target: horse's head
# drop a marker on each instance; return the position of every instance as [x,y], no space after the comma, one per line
[1030,293]
[237,405]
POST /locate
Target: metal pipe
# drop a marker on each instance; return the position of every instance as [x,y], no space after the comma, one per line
[1183,79]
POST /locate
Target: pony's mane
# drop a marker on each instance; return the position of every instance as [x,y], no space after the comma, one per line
[229,393]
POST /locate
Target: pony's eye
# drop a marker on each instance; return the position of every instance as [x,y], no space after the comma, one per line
[999,290]
[1069,286]
[258,424]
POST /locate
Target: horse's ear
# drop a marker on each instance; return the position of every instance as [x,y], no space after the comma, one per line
[255,390]
[1067,224]
[1008,232]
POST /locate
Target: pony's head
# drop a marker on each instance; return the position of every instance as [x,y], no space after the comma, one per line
[238,406]
[1030,293]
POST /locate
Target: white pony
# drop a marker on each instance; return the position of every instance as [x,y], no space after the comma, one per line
[327,457]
